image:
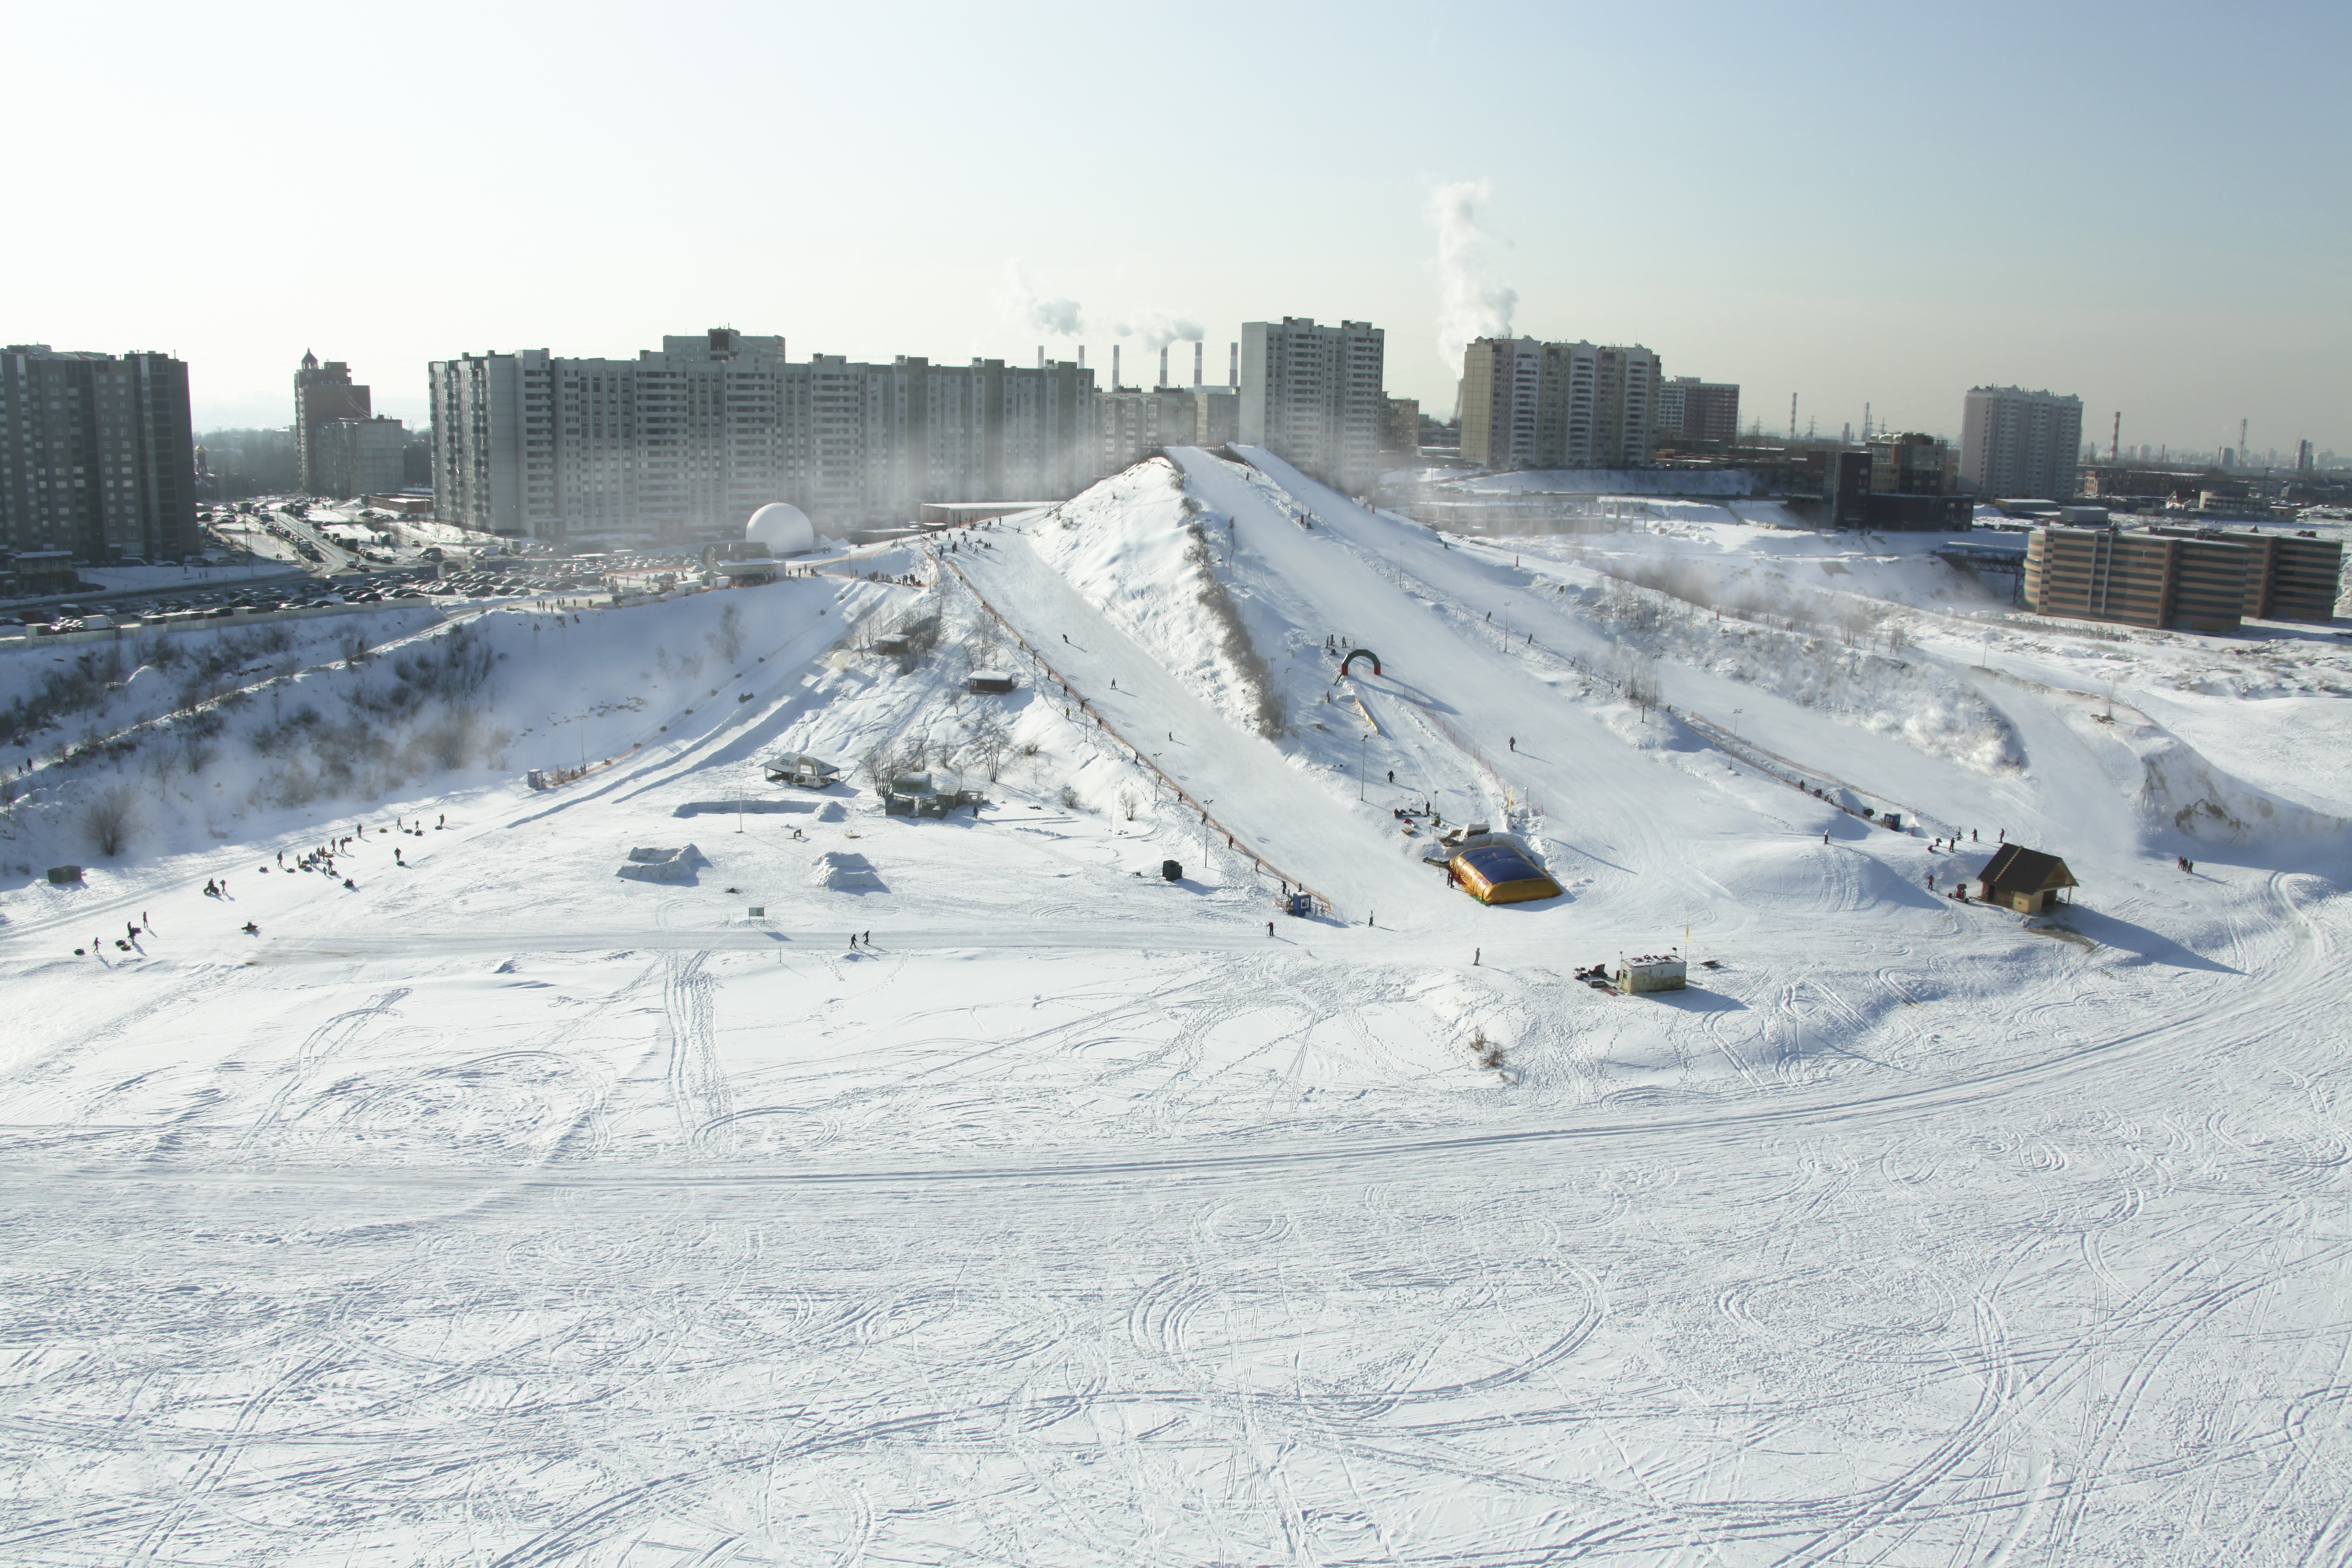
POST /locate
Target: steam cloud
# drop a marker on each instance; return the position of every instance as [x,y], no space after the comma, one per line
[1157,329]
[1054,318]
[1470,303]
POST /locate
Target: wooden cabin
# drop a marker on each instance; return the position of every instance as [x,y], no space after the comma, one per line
[2023,879]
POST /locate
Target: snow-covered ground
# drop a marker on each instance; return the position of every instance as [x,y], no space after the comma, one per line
[501,1208]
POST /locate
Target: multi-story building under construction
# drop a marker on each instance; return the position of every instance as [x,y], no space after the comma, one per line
[2193,580]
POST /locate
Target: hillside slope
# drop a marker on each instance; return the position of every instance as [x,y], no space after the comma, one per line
[673,1165]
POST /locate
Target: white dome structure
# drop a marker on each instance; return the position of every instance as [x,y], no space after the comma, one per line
[784,528]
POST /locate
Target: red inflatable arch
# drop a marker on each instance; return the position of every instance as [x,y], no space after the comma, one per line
[1355,654]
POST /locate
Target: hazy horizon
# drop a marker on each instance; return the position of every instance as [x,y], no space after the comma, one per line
[1864,206]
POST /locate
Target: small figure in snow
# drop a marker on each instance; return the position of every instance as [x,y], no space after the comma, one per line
[1931,881]
[1269,925]
[252,930]
[1391,775]
[1477,956]
[349,883]
[1515,742]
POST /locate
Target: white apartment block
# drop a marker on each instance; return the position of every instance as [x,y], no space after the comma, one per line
[1530,404]
[2020,444]
[688,441]
[1313,396]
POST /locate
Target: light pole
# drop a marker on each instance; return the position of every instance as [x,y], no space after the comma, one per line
[1362,743]
[1736,712]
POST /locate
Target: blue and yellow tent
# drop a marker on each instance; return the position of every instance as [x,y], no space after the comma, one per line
[1498,874]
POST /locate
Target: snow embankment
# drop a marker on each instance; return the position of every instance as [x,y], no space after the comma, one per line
[1137,547]
[185,739]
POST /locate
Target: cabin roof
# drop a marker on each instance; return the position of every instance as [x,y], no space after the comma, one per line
[2014,868]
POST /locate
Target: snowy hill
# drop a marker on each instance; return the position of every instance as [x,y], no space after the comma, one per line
[673,1165]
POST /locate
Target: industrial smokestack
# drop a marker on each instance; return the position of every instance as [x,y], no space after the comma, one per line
[1082,356]
[1041,356]
[1197,346]
[1114,367]
[1234,366]
[1163,364]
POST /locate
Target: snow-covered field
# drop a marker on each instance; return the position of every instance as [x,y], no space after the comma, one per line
[501,1208]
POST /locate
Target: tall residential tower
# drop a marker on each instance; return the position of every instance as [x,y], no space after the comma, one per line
[1530,404]
[2019,443]
[96,455]
[1313,396]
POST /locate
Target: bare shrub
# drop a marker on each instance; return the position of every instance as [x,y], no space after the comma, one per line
[1128,800]
[1255,679]
[1487,1053]
[876,766]
[1069,798]
[111,817]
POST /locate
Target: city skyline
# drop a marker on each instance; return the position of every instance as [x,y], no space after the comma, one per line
[1781,212]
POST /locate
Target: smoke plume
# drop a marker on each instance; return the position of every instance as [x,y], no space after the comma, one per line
[1054,318]
[1157,329]
[1470,302]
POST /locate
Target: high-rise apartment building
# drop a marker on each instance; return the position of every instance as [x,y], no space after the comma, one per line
[1530,404]
[358,456]
[323,394]
[1403,419]
[2019,443]
[1135,424]
[96,455]
[1696,413]
[1314,396]
[688,440]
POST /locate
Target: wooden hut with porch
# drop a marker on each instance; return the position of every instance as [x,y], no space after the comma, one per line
[2023,879]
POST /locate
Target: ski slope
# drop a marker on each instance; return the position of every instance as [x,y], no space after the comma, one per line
[501,1209]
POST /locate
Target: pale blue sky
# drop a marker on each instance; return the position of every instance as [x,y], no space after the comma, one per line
[2143,204]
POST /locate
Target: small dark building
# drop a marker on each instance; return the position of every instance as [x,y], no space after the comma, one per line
[989,682]
[2023,880]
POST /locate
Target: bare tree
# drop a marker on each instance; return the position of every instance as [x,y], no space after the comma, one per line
[1128,802]
[1642,685]
[727,638]
[876,764]
[989,744]
[111,817]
